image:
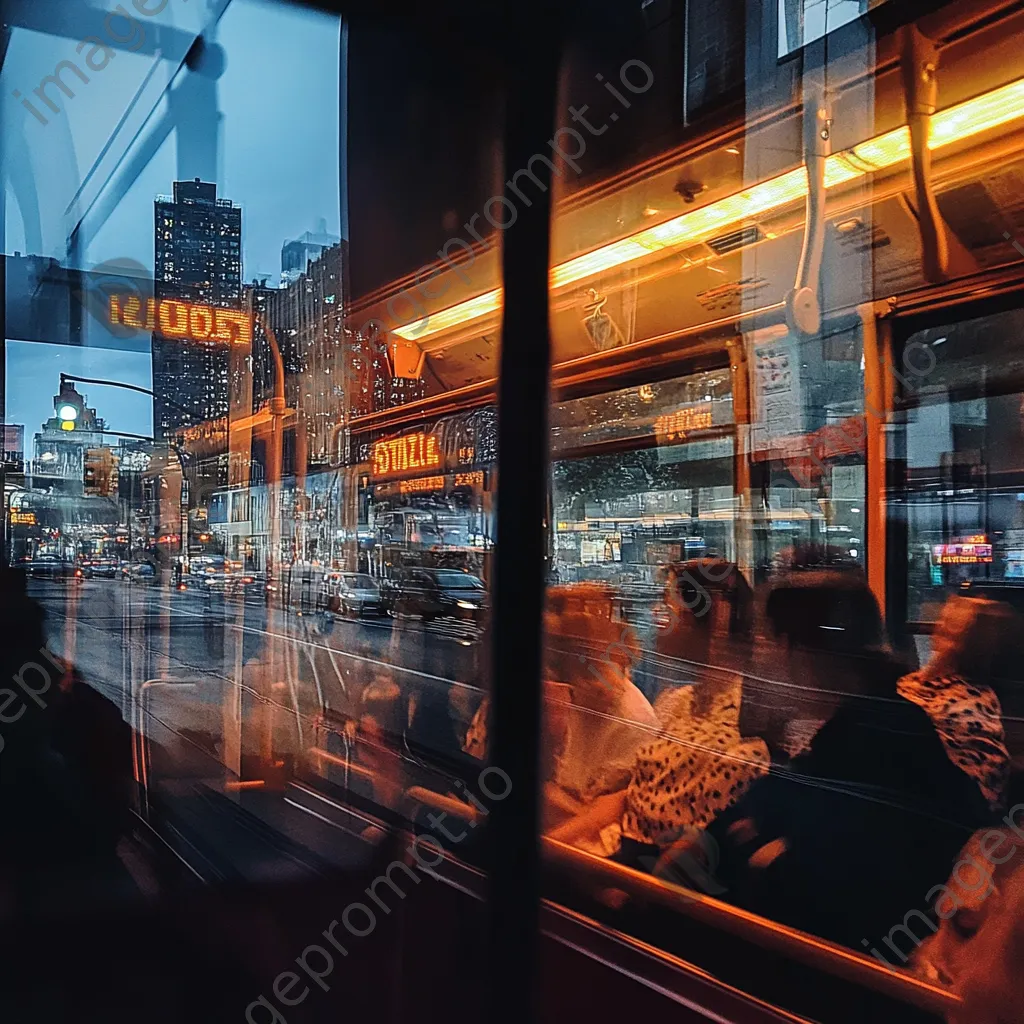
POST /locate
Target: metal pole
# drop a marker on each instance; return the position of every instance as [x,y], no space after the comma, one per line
[275,449]
[275,457]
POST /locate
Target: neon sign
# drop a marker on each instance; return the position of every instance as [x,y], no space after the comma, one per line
[398,455]
[674,426]
[421,485]
[474,478]
[973,551]
[174,318]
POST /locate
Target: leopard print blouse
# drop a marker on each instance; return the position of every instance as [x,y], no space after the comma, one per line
[969,719]
[696,769]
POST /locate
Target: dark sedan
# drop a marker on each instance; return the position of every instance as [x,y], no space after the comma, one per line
[437,593]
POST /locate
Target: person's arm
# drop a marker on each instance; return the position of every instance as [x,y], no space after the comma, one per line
[598,814]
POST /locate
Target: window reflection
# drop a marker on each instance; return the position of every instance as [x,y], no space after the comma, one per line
[251,468]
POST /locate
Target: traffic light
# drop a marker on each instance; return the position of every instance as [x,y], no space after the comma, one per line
[68,416]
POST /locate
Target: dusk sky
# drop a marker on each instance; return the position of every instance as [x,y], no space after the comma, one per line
[277,158]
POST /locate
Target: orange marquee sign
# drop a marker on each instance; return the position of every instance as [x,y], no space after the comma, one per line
[174,318]
[398,455]
[421,485]
[675,426]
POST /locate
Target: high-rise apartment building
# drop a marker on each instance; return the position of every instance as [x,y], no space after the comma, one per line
[198,259]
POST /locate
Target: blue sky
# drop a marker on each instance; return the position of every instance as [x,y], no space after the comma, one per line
[33,373]
[278,158]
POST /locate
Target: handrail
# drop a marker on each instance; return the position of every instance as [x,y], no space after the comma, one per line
[819,954]
[448,804]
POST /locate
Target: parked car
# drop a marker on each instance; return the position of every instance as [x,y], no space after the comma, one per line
[358,594]
[433,593]
[49,567]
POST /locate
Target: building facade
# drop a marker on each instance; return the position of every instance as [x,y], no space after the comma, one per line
[198,259]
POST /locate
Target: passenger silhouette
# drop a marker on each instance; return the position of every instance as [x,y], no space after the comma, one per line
[595,716]
[977,947]
[65,765]
[854,831]
[955,690]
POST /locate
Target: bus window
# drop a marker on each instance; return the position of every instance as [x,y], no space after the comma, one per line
[731,708]
[962,436]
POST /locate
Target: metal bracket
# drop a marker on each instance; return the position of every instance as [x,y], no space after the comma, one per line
[803,305]
[919,66]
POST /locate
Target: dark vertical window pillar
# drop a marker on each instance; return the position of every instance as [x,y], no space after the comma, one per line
[3,393]
[532,49]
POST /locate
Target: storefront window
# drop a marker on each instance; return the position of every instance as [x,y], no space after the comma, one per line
[648,480]
[964,475]
[426,498]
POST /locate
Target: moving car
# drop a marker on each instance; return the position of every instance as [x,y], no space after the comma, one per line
[138,572]
[434,593]
[358,594]
[100,569]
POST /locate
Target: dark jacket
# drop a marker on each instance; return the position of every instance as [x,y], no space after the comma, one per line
[871,816]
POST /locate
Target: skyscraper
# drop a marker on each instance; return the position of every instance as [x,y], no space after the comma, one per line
[198,259]
[298,253]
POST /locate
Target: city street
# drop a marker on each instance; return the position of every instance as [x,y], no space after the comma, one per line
[122,635]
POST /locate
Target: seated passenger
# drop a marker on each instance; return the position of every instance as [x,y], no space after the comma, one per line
[592,736]
[955,690]
[700,764]
[682,780]
[967,910]
[853,832]
[978,940]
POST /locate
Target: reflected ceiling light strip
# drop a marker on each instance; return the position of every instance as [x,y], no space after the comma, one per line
[952,125]
[453,316]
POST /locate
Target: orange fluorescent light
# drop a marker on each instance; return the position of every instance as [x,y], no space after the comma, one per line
[954,124]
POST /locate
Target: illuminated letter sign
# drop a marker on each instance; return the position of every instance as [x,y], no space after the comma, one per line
[674,426]
[421,485]
[398,456]
[970,552]
[174,318]
[200,322]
